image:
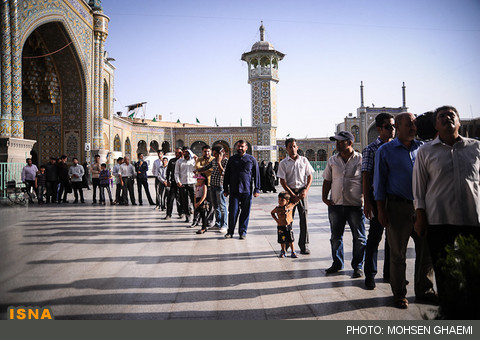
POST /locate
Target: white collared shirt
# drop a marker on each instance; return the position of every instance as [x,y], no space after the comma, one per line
[127,170]
[184,171]
[446,182]
[295,172]
[346,178]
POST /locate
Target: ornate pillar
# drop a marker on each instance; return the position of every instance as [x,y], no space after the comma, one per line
[101,33]
[17,121]
[6,76]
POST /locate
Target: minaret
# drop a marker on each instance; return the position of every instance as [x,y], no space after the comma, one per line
[404,98]
[262,63]
[361,95]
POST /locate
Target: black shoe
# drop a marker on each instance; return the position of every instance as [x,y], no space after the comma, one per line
[94,202]
[140,203]
[228,236]
[357,273]
[332,270]
[305,251]
[430,298]
[370,282]
[167,217]
[187,220]
[83,202]
[243,236]
[75,202]
[134,203]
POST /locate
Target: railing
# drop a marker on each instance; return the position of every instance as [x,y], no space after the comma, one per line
[319,166]
[10,172]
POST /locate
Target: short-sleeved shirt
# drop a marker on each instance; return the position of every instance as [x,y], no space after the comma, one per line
[346,178]
[393,170]
[295,172]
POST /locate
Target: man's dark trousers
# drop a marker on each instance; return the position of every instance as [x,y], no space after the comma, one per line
[239,205]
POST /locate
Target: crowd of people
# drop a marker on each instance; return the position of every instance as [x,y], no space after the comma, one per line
[427,191]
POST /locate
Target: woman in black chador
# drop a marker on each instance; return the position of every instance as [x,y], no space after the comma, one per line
[262,176]
[270,178]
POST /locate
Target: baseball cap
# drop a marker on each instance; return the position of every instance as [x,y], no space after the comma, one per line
[343,135]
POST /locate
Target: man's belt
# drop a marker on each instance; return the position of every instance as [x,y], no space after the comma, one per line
[296,191]
[395,198]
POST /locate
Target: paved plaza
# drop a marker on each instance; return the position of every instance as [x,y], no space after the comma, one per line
[104,262]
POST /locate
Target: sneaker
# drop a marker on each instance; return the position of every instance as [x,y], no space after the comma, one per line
[370,282]
[294,255]
[282,254]
[223,230]
[357,273]
[228,236]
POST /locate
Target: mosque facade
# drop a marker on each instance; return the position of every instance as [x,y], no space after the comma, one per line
[57,85]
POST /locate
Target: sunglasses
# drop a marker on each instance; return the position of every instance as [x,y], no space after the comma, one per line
[388,127]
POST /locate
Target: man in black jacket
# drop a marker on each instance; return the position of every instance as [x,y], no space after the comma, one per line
[174,192]
[141,168]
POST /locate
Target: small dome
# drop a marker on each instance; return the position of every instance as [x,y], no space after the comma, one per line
[262,46]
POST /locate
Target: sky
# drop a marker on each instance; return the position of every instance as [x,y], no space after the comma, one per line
[183,58]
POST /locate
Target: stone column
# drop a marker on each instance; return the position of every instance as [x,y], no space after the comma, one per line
[17,121]
[101,33]
[6,76]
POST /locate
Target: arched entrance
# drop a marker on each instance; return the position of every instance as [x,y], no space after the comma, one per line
[197,147]
[224,145]
[53,94]
[142,147]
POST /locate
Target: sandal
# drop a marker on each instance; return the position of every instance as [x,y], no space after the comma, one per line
[401,303]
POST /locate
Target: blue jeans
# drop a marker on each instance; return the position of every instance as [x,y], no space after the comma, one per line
[338,216]
[239,204]
[220,205]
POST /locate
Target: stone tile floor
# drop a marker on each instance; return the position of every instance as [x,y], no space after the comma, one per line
[104,262]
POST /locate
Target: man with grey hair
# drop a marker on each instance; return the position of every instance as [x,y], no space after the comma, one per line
[393,193]
[445,188]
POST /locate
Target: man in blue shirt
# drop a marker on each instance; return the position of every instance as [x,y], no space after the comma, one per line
[242,175]
[392,184]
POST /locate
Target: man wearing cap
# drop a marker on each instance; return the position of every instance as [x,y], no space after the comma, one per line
[343,176]
[392,185]
[296,174]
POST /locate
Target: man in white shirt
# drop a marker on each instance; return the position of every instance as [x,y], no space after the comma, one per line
[127,175]
[446,184]
[185,181]
[157,164]
[343,176]
[29,172]
[296,174]
[116,174]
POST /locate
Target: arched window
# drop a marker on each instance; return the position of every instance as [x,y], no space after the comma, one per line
[166,147]
[300,152]
[106,100]
[179,143]
[197,147]
[128,148]
[153,146]
[282,153]
[117,143]
[321,155]
[142,147]
[224,145]
[310,154]
[356,133]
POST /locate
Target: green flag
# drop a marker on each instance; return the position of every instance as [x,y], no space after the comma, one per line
[216,124]
[241,122]
[154,120]
[131,116]
[288,135]
[178,121]
[198,122]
